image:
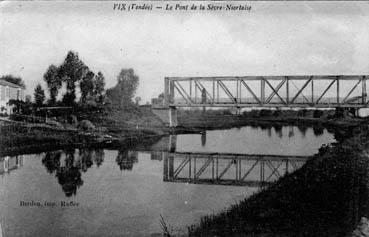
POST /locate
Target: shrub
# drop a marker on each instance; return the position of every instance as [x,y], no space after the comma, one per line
[265,113]
[302,112]
[226,112]
[317,113]
[72,119]
[86,125]
[277,113]
[54,124]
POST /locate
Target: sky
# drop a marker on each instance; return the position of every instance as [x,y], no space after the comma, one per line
[274,38]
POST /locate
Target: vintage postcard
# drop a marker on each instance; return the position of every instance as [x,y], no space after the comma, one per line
[184,118]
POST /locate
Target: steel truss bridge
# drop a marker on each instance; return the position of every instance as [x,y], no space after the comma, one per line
[228,169]
[319,91]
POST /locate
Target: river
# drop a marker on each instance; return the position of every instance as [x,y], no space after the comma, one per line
[123,192]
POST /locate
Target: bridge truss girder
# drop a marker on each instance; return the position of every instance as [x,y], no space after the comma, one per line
[235,169]
[197,94]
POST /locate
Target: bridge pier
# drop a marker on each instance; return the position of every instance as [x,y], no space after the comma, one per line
[167,115]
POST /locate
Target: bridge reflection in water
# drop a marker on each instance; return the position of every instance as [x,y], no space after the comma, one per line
[228,169]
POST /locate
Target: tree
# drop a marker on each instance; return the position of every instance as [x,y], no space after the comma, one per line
[122,94]
[71,71]
[13,79]
[138,99]
[54,82]
[39,95]
[87,86]
[161,98]
[99,83]
[28,98]
[17,105]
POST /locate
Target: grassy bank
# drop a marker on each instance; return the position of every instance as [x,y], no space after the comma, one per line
[326,197]
[112,127]
[37,140]
[24,138]
[219,119]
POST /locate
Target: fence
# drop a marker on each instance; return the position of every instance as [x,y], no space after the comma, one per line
[28,118]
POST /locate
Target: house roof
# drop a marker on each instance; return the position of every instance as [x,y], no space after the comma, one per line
[6,83]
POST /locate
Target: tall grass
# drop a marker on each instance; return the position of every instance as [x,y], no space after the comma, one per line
[167,229]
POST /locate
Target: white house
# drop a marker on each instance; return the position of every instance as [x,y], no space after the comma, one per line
[9,91]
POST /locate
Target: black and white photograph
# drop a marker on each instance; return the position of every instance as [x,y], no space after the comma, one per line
[172,118]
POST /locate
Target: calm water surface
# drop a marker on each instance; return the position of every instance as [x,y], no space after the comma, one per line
[124,192]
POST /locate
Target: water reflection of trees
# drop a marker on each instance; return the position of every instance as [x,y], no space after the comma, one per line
[125,159]
[302,128]
[278,130]
[291,131]
[69,176]
[68,170]
[318,130]
[51,161]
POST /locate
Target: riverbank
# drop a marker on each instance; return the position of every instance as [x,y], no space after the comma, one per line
[25,138]
[223,120]
[116,127]
[326,197]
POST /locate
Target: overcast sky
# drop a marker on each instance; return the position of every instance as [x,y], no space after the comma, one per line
[274,38]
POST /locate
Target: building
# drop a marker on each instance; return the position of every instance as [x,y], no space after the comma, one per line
[8,163]
[9,91]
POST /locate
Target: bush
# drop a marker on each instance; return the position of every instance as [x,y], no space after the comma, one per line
[72,119]
[253,113]
[302,112]
[86,125]
[226,112]
[317,113]
[16,117]
[265,113]
[54,124]
[277,113]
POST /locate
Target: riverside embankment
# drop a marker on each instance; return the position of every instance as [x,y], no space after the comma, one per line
[214,119]
[120,127]
[326,197]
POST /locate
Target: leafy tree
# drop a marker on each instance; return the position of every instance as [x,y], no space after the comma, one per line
[99,157]
[71,71]
[161,98]
[13,79]
[126,159]
[28,98]
[54,82]
[18,105]
[22,107]
[39,95]
[87,86]
[138,99]
[99,87]
[122,94]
